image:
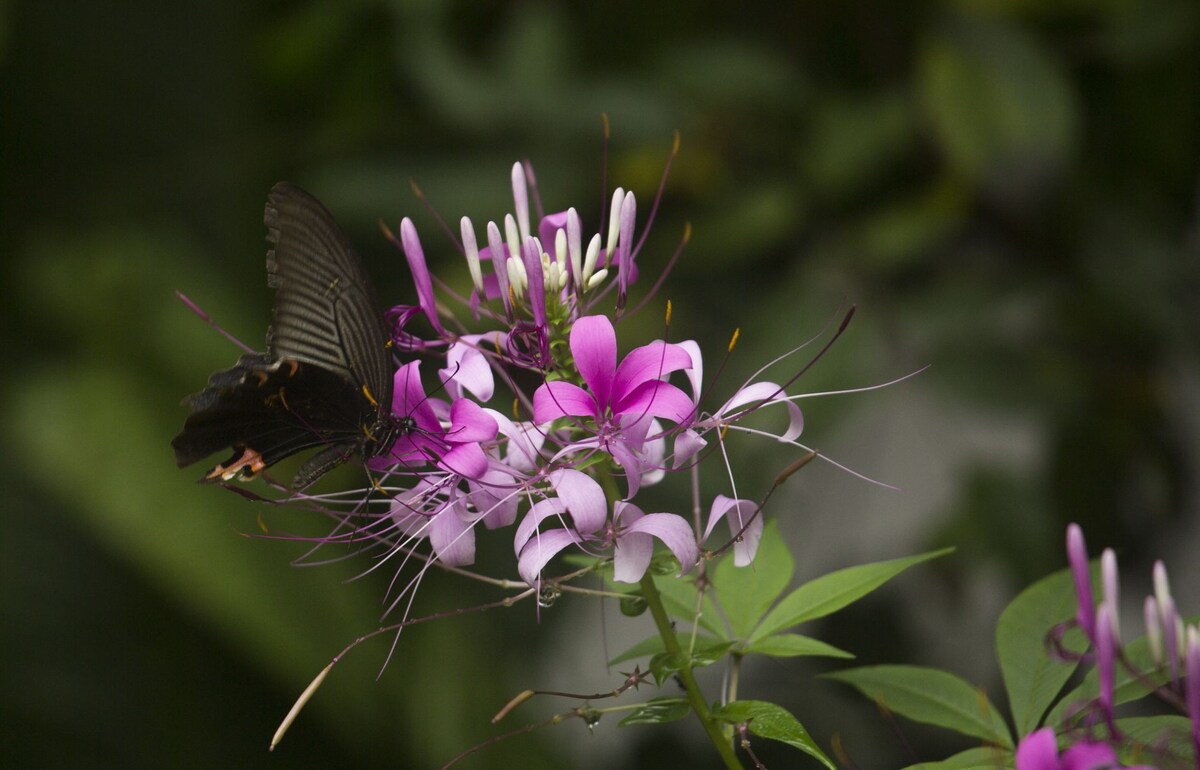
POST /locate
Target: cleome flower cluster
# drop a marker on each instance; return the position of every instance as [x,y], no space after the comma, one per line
[537,420]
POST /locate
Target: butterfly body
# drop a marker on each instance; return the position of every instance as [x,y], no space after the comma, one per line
[326,377]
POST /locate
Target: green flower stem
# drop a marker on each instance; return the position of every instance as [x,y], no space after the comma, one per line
[694,695]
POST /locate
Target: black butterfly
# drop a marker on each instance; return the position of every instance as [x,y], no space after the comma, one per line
[326,378]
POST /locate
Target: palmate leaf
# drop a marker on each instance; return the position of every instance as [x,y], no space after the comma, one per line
[931,696]
[767,720]
[830,593]
[795,645]
[1032,677]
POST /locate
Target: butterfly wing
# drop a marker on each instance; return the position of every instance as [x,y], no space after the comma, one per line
[325,379]
[266,410]
[325,309]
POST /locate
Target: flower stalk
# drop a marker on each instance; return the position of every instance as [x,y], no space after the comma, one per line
[695,696]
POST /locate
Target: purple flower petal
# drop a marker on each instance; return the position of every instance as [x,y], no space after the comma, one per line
[549,227]
[420,272]
[467,367]
[1090,755]
[1038,751]
[524,442]
[594,345]
[409,400]
[695,372]
[649,362]
[532,257]
[738,512]
[631,556]
[583,497]
[538,512]
[453,539]
[559,399]
[494,497]
[768,393]
[657,399]
[540,550]
[630,463]
[1077,557]
[687,445]
[676,534]
[466,460]
[470,423]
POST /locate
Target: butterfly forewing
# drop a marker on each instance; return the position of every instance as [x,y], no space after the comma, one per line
[325,309]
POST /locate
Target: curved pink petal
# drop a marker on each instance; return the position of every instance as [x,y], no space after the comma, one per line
[625,513]
[695,372]
[470,423]
[657,399]
[559,399]
[539,512]
[594,346]
[466,460]
[540,550]
[467,367]
[675,533]
[649,362]
[1038,751]
[494,497]
[630,464]
[522,451]
[687,444]
[453,539]
[768,393]
[409,400]
[738,512]
[631,556]
[583,497]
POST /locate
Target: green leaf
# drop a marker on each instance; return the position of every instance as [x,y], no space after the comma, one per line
[980,758]
[931,696]
[665,664]
[679,598]
[657,712]
[767,720]
[795,645]
[654,644]
[1161,738]
[1126,686]
[1033,678]
[829,593]
[746,593]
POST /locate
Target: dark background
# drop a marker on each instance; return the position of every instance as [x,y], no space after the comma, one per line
[1006,189]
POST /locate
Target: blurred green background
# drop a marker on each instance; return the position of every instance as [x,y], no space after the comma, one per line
[1006,189]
